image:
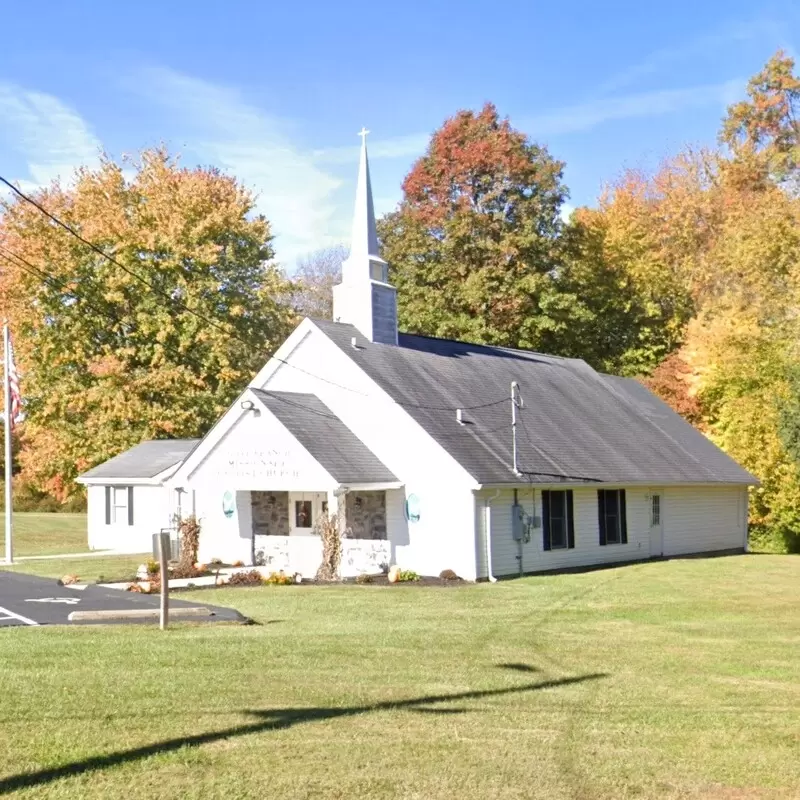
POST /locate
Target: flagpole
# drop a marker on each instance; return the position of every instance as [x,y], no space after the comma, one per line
[7,423]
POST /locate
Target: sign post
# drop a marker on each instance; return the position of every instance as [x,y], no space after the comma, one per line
[163,551]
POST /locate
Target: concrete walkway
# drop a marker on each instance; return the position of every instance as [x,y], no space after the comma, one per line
[90,554]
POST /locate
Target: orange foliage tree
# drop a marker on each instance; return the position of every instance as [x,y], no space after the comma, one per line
[108,361]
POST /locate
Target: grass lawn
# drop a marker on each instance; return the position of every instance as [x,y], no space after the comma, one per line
[46,534]
[668,680]
[88,569]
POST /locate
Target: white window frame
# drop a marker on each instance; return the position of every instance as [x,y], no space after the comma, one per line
[118,518]
[655,511]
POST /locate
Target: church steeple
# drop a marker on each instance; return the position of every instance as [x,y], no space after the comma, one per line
[365,298]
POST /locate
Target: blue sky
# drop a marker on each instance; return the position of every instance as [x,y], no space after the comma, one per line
[275,92]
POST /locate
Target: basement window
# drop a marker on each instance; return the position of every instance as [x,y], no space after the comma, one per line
[302,514]
[612,516]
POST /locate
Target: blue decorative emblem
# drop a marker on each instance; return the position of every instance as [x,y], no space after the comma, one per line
[412,508]
[228,504]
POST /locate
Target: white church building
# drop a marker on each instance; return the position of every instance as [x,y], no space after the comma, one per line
[442,455]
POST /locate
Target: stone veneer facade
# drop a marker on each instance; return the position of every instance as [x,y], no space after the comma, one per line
[270,518]
[369,521]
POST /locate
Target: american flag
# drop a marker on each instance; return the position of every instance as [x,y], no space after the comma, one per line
[13,383]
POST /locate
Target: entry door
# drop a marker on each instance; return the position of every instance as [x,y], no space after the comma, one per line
[656,524]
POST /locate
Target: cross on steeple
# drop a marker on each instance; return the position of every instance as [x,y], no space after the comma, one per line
[363,134]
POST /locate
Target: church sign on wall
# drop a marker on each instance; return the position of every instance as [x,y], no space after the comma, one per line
[259,463]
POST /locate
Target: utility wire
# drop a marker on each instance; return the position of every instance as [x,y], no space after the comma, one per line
[561,475]
[183,306]
[60,285]
[185,360]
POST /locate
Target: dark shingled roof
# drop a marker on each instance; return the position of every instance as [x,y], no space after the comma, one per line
[145,460]
[576,424]
[326,437]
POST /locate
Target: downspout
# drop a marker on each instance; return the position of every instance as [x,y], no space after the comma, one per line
[516,510]
[487,530]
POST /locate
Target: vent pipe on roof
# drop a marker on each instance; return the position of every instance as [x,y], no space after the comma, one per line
[459,417]
[516,402]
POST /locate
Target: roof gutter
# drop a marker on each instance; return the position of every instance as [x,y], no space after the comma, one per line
[611,484]
[368,487]
[101,481]
[487,533]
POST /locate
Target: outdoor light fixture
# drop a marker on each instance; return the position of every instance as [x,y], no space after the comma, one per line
[249,405]
[358,503]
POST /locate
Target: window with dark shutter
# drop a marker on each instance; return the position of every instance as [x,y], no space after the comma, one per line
[130,505]
[557,523]
[546,520]
[612,516]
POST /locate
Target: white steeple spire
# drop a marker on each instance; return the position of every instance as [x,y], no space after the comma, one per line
[364,298]
[364,238]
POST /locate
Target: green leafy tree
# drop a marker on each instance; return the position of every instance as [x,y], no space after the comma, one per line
[474,244]
[108,361]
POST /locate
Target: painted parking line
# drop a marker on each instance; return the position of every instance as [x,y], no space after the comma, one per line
[68,601]
[5,614]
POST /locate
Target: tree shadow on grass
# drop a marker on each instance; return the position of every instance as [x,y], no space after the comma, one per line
[274,720]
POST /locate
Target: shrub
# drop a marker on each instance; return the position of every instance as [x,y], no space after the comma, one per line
[153,567]
[75,504]
[448,575]
[250,578]
[279,579]
[364,579]
[406,575]
[190,571]
[238,564]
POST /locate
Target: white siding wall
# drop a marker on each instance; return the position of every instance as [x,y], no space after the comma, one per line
[226,538]
[444,537]
[151,510]
[695,519]
[703,519]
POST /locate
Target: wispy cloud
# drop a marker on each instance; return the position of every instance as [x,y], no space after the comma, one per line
[704,46]
[584,116]
[51,138]
[405,147]
[222,128]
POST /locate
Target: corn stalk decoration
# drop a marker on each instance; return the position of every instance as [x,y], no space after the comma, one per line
[331,529]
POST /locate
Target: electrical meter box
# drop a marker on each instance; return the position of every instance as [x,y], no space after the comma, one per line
[517,522]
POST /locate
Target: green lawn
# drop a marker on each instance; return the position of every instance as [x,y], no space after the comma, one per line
[46,534]
[676,679]
[89,570]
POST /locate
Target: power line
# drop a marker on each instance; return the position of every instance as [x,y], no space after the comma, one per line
[31,269]
[179,304]
[60,285]
[562,475]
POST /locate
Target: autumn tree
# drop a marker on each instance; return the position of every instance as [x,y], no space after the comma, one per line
[473,246]
[762,132]
[152,344]
[313,281]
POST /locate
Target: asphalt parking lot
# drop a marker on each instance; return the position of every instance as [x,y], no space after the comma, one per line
[30,600]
